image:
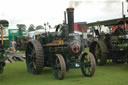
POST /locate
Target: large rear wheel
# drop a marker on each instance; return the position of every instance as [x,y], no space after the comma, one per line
[59,67]
[34,57]
[99,51]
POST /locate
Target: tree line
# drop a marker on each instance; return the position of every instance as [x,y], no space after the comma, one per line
[32,27]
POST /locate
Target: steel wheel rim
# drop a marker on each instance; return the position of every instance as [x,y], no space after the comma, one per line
[88,65]
[59,67]
[97,53]
[31,59]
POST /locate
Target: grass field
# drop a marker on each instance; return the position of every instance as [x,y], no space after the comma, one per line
[110,74]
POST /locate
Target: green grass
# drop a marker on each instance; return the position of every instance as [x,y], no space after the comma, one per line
[110,74]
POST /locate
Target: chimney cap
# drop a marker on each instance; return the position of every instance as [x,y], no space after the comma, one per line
[70,9]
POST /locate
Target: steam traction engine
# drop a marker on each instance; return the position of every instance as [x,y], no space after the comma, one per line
[60,50]
[112,46]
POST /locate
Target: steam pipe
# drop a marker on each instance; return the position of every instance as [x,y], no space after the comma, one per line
[65,20]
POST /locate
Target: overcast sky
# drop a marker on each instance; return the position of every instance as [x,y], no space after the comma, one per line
[38,12]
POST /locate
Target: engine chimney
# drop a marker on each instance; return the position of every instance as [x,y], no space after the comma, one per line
[70,14]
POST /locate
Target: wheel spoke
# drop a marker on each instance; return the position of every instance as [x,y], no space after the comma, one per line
[30,48]
[31,63]
[89,70]
[97,51]
[29,55]
[97,48]
[34,53]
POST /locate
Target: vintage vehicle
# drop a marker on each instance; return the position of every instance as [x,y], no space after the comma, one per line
[17,36]
[3,56]
[60,50]
[112,45]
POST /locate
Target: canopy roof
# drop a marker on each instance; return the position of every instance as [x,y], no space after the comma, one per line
[110,22]
[5,23]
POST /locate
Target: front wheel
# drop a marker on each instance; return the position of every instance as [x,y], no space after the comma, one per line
[59,67]
[88,64]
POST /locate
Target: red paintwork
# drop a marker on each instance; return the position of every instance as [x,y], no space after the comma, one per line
[79,27]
